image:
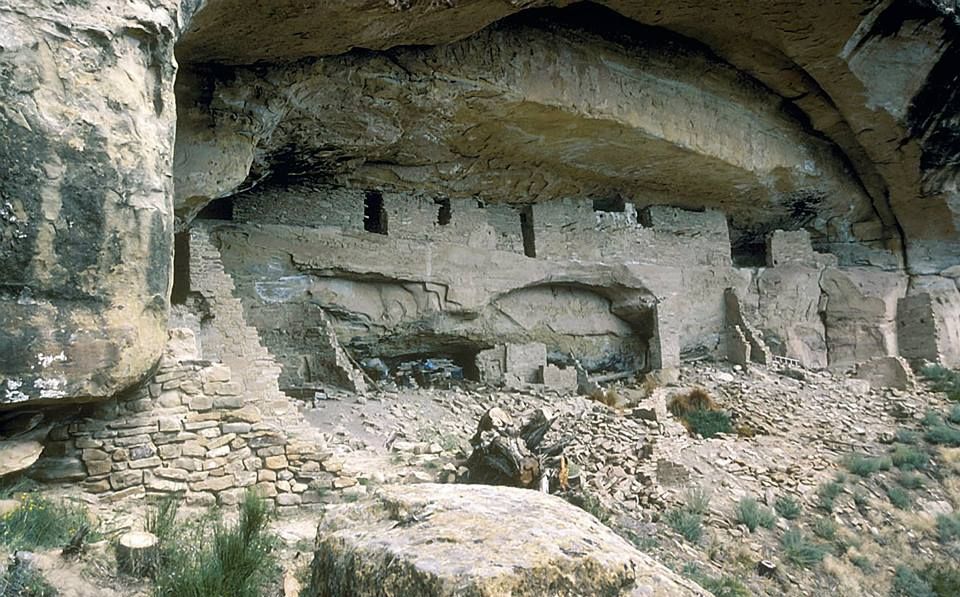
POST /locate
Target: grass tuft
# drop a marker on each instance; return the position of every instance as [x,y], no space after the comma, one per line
[41,522]
[948,527]
[697,500]
[943,380]
[787,507]
[942,434]
[827,495]
[699,414]
[719,586]
[911,480]
[751,514]
[864,466]
[825,528]
[799,550]
[687,524]
[211,559]
[899,497]
[908,458]
[907,583]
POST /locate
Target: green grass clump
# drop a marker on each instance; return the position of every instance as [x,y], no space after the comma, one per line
[943,434]
[827,495]
[948,527]
[908,458]
[943,578]
[899,497]
[864,466]
[799,550]
[41,522]
[943,380]
[931,418]
[751,514]
[954,415]
[697,501]
[720,586]
[910,480]
[907,436]
[825,528]
[208,558]
[787,507]
[708,423]
[907,583]
[687,524]
[863,563]
[861,501]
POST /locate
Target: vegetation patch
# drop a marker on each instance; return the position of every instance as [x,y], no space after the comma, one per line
[943,380]
[908,458]
[899,497]
[825,528]
[20,580]
[208,558]
[787,507]
[720,586]
[942,434]
[800,550]
[42,523]
[827,495]
[688,525]
[752,515]
[864,466]
[948,527]
[700,414]
[911,480]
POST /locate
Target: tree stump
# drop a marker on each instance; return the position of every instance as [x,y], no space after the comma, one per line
[138,553]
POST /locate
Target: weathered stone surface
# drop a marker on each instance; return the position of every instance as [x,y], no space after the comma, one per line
[86,218]
[17,455]
[446,540]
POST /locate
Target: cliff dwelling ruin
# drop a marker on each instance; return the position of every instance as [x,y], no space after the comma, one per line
[215,214]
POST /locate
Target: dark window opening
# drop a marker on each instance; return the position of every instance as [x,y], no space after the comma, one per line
[181,268]
[444,213]
[610,204]
[218,209]
[749,254]
[374,216]
[526,231]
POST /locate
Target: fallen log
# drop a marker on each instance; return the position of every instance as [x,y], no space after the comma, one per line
[505,453]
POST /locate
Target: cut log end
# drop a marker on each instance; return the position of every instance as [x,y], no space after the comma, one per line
[137,553]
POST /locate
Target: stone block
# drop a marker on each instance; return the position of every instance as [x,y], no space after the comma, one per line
[200,403]
[215,373]
[235,427]
[141,452]
[214,484]
[145,463]
[170,451]
[125,479]
[167,424]
[288,499]
[93,454]
[275,462]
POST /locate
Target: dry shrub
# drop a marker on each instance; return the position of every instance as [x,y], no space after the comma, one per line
[681,405]
[610,397]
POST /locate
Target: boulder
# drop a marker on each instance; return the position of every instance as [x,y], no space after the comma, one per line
[479,541]
[17,455]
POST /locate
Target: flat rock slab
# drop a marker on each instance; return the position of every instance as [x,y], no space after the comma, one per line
[434,540]
[17,455]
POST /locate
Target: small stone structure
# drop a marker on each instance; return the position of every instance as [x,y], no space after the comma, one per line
[516,365]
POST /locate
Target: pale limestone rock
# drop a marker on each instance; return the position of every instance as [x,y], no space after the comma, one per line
[16,455]
[446,540]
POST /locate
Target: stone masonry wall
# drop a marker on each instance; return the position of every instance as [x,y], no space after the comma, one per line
[207,430]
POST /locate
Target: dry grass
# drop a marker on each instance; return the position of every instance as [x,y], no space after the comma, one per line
[850,580]
[610,397]
[697,399]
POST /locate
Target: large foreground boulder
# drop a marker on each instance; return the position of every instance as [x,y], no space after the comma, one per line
[478,541]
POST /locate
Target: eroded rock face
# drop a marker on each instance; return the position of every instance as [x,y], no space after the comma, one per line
[478,541]
[86,213]
[533,110]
